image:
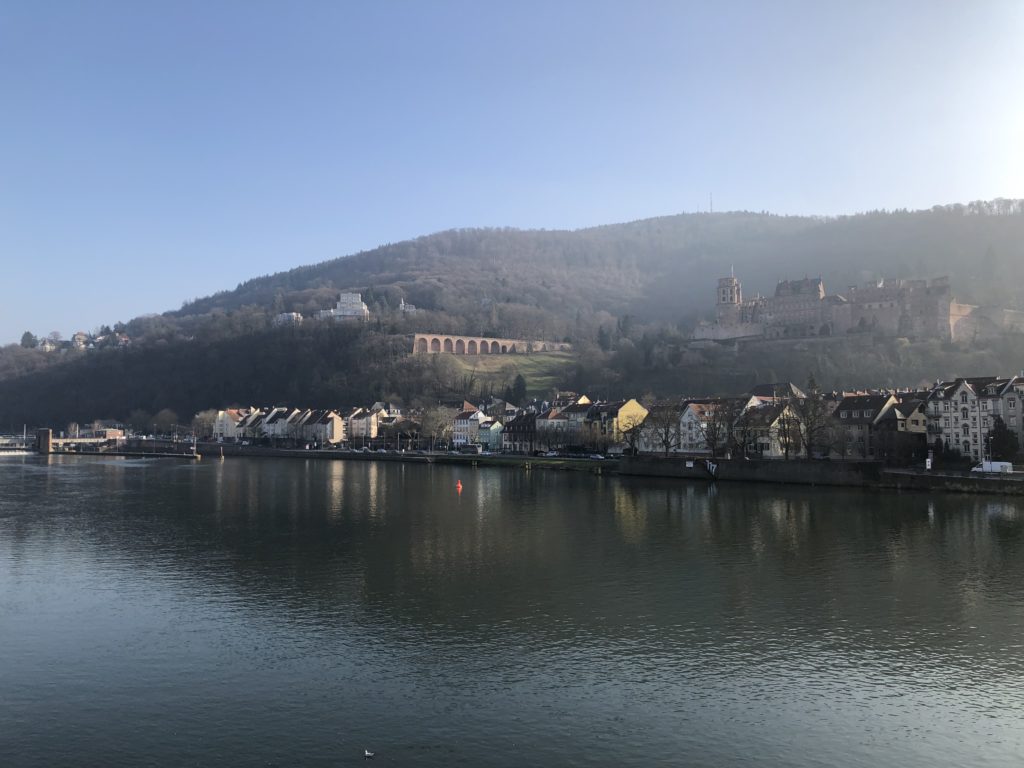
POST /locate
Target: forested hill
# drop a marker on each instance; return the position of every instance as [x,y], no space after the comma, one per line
[663,268]
[623,294]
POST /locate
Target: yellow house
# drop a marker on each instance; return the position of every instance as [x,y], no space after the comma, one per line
[611,421]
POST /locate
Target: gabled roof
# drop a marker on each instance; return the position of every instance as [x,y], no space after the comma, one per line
[863,409]
[552,414]
[522,423]
[577,408]
[981,386]
[763,415]
[276,415]
[609,407]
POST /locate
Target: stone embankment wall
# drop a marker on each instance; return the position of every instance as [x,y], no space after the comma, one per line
[860,474]
[802,472]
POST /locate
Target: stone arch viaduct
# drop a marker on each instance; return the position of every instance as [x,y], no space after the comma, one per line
[435,343]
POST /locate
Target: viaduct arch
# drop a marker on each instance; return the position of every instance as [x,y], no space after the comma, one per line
[435,343]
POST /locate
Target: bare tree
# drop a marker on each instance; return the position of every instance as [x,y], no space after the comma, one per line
[788,432]
[438,422]
[814,415]
[202,423]
[631,428]
[165,420]
[731,415]
[713,424]
[661,427]
[744,431]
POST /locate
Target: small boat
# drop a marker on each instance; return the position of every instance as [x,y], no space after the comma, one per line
[15,451]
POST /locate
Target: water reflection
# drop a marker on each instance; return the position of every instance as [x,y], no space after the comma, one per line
[547,586]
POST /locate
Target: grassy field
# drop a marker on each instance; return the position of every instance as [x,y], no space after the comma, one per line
[542,371]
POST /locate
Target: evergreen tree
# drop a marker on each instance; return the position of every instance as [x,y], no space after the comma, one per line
[518,390]
[1002,442]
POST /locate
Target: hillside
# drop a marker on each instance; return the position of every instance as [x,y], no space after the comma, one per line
[624,294]
[663,268]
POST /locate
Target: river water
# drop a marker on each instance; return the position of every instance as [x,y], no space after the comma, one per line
[271,612]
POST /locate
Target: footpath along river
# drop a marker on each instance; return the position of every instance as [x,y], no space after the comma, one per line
[285,612]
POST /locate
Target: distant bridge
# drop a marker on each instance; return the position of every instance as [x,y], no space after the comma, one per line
[436,343]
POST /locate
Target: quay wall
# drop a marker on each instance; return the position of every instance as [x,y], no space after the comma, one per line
[797,471]
[856,474]
[903,480]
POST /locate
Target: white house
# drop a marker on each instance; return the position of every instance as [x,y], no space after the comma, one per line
[364,425]
[226,425]
[466,429]
[962,412]
[277,424]
[326,427]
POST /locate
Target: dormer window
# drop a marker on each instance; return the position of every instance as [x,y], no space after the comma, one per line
[843,414]
[856,414]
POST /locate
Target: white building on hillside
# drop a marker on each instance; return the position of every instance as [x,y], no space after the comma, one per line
[350,306]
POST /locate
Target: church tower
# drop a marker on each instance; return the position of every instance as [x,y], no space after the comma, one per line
[729,300]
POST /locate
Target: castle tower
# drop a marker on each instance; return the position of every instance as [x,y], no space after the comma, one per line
[730,297]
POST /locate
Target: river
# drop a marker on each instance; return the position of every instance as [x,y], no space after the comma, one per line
[257,612]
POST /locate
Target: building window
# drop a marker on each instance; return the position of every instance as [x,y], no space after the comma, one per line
[856,414]
[843,414]
[984,405]
[963,397]
[1012,403]
[964,413]
[945,423]
[945,407]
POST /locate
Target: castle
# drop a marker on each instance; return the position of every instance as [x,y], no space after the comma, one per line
[802,309]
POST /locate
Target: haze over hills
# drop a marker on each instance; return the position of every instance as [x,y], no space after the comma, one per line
[663,268]
[624,294]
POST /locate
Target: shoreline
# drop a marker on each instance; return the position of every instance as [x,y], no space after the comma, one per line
[839,474]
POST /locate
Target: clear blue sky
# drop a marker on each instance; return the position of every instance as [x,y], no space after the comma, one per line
[157,151]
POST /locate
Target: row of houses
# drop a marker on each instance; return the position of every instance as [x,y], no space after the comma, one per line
[958,416]
[314,425]
[778,421]
[569,421]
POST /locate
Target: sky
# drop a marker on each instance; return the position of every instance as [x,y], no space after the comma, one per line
[155,152]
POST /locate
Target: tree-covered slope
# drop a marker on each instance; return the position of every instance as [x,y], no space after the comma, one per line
[664,267]
[623,294]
